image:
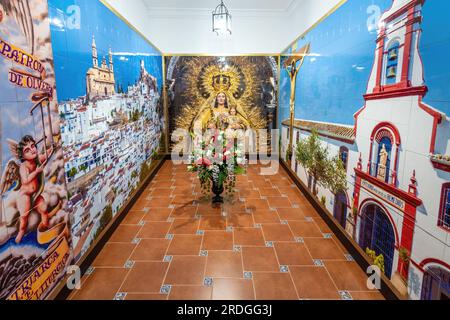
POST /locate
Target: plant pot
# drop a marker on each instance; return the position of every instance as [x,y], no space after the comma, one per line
[217,189]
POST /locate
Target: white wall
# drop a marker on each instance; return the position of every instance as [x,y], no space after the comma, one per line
[253,31]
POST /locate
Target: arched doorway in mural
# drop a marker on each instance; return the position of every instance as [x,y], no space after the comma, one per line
[436,284]
[340,208]
[376,233]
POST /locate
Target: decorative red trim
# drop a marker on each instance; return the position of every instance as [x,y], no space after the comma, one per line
[386,211]
[404,9]
[437,120]
[356,115]
[388,92]
[445,186]
[405,196]
[407,50]
[425,262]
[386,125]
[440,166]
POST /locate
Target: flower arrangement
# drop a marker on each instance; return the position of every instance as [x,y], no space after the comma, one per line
[218,157]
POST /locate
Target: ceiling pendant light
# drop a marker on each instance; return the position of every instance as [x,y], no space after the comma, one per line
[221,19]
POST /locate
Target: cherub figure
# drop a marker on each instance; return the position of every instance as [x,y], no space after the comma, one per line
[28,179]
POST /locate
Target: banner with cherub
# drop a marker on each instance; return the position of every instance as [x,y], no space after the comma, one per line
[35,246]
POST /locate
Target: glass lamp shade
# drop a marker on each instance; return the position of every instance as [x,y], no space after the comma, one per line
[221,20]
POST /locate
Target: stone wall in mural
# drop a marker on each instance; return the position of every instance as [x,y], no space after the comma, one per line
[35,237]
[365,95]
[248,84]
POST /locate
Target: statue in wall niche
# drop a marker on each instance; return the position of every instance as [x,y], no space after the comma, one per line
[382,163]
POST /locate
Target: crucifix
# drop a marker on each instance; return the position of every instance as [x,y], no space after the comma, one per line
[292,66]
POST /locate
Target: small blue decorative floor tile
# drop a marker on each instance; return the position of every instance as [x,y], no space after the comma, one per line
[129,264]
[309,219]
[295,206]
[167,258]
[208,282]
[299,240]
[273,209]
[198,216]
[269,244]
[349,257]
[169,236]
[318,263]
[89,270]
[258,226]
[345,295]
[203,253]
[229,229]
[264,198]
[200,232]
[136,241]
[248,275]
[146,210]
[142,223]
[171,206]
[284,222]
[170,220]
[284,269]
[327,235]
[120,296]
[237,248]
[165,289]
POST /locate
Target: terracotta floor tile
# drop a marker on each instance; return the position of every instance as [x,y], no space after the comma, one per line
[151,250]
[145,277]
[279,202]
[217,240]
[224,264]
[249,194]
[269,192]
[277,232]
[157,215]
[322,225]
[152,230]
[161,193]
[208,210]
[186,270]
[190,293]
[257,204]
[187,245]
[159,202]
[185,226]
[125,233]
[366,295]
[265,216]
[314,283]
[240,220]
[248,237]
[235,207]
[114,255]
[184,212]
[305,229]
[353,279]
[274,286]
[141,204]
[233,289]
[183,190]
[213,223]
[183,200]
[145,296]
[259,259]
[162,184]
[292,253]
[102,284]
[324,249]
[133,217]
[290,214]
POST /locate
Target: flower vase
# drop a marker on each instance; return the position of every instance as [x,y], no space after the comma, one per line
[217,189]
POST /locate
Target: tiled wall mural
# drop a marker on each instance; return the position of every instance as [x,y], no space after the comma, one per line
[365,95]
[70,161]
[194,83]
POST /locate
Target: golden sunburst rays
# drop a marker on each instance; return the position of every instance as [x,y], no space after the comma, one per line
[205,77]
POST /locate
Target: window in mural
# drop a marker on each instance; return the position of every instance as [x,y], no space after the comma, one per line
[343,155]
[444,217]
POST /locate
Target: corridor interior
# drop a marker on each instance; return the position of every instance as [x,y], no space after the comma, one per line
[266,243]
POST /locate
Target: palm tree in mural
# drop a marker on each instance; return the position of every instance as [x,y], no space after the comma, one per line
[292,66]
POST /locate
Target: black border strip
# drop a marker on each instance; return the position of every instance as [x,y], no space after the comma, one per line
[387,289]
[61,292]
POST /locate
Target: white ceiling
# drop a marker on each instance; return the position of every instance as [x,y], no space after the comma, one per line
[259,26]
[239,5]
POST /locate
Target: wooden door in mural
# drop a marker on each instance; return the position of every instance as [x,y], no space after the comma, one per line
[340,208]
[377,234]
